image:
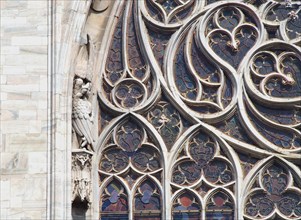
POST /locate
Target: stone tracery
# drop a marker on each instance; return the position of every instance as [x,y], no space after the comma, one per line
[218,66]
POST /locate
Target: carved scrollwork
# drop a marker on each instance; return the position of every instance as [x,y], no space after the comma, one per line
[209,57]
[230,32]
[272,78]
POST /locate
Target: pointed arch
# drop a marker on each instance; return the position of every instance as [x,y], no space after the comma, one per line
[147,199]
[128,150]
[186,204]
[200,160]
[273,189]
[114,200]
[220,203]
[131,80]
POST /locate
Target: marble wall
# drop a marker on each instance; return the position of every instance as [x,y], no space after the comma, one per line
[24,108]
[39,42]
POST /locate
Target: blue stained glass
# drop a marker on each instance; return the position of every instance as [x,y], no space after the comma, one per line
[113,217]
[219,216]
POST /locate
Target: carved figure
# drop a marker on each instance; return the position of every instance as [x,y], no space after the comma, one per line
[82,116]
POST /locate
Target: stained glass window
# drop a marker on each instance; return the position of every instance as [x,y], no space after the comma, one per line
[114,204]
[186,206]
[199,110]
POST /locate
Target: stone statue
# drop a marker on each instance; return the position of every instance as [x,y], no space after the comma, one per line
[82,116]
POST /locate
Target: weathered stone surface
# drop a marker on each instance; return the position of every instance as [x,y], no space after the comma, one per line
[25,88]
[14,163]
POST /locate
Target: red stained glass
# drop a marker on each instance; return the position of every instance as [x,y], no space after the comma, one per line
[220,206]
[219,201]
[185,201]
[186,206]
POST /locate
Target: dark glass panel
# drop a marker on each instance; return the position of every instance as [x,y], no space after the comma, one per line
[280,12]
[135,59]
[290,203]
[275,180]
[204,109]
[223,215]
[104,119]
[115,198]
[168,5]
[147,216]
[212,1]
[247,162]
[233,52]
[167,120]
[209,93]
[206,70]
[130,177]
[291,66]
[129,94]
[147,197]
[188,171]
[146,159]
[293,26]
[183,78]
[278,137]
[218,172]
[264,64]
[114,202]
[227,92]
[153,10]
[280,115]
[202,149]
[203,189]
[114,65]
[158,43]
[259,203]
[229,18]
[183,13]
[130,136]
[114,217]
[113,160]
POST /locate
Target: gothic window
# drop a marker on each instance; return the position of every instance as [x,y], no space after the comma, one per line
[186,206]
[198,111]
[114,204]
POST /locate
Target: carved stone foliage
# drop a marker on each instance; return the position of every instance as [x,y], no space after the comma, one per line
[194,97]
[81,175]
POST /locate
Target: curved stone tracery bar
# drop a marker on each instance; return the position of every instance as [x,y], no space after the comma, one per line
[204,98]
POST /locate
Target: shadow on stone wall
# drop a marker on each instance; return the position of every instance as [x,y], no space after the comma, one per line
[79,209]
